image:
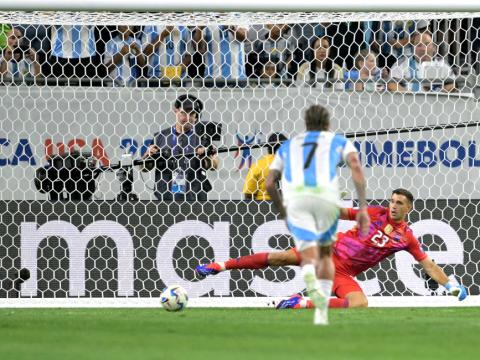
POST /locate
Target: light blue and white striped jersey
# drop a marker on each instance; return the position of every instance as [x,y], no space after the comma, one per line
[125,72]
[171,50]
[18,69]
[225,56]
[73,41]
[309,162]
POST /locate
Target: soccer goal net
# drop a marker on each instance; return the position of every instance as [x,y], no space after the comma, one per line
[85,221]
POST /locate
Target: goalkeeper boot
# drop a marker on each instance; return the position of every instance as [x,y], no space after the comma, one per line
[208,269]
[293,302]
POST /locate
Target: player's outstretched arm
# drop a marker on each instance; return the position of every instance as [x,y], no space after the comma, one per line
[437,274]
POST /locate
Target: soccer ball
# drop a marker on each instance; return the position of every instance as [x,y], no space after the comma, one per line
[174,298]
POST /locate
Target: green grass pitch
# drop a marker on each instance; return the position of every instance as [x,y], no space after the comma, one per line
[247,334]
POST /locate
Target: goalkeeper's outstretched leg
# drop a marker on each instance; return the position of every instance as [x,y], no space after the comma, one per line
[352,294]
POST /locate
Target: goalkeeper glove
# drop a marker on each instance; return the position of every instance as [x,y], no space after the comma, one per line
[457,290]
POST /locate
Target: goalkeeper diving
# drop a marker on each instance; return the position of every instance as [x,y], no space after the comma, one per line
[353,254]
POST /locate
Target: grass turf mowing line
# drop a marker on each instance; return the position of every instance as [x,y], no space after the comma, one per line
[427,333]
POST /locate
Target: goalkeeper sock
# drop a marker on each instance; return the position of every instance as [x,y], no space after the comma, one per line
[338,303]
[334,303]
[255,261]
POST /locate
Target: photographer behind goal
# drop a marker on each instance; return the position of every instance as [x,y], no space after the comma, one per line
[177,177]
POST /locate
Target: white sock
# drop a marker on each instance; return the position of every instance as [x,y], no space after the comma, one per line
[309,276]
[325,286]
[222,265]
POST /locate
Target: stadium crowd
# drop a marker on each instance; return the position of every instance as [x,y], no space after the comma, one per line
[357,56]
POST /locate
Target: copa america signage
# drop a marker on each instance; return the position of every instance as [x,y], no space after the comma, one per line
[220,236]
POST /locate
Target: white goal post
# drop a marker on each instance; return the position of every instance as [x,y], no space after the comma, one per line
[99,79]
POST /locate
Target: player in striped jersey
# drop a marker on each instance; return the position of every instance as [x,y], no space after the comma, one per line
[124,57]
[73,41]
[310,200]
[15,62]
[223,51]
[168,49]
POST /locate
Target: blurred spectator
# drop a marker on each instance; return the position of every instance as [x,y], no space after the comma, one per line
[421,71]
[321,70]
[36,36]
[270,70]
[475,45]
[277,43]
[269,77]
[168,49]
[124,58]
[18,59]
[254,186]
[345,41]
[393,39]
[14,38]
[254,33]
[303,34]
[73,51]
[223,51]
[366,75]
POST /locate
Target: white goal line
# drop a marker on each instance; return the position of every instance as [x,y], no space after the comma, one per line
[228,302]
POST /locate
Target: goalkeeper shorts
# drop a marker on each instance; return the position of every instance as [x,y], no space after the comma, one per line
[344,284]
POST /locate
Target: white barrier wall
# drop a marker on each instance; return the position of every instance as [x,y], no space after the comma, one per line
[111,121]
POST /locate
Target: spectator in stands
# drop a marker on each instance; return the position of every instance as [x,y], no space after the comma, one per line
[268,75]
[254,33]
[124,57]
[254,186]
[168,49]
[277,43]
[321,70]
[394,39]
[366,75]
[73,51]
[14,38]
[18,59]
[36,36]
[303,34]
[223,51]
[414,73]
[346,40]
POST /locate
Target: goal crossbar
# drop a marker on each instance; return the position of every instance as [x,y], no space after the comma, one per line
[238,6]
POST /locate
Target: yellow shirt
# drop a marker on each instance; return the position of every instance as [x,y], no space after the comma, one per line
[255,181]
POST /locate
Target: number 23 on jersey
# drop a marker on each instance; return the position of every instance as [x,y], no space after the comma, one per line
[379,239]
